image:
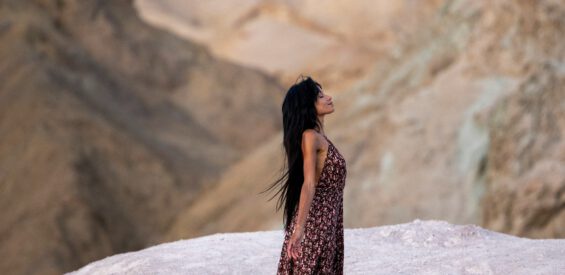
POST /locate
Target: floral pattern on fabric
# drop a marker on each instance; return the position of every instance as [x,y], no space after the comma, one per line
[322,244]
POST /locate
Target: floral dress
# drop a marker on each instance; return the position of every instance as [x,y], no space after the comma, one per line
[322,244]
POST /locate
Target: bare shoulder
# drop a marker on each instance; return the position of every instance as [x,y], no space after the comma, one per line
[310,137]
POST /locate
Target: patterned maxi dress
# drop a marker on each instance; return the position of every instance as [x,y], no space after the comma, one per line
[322,244]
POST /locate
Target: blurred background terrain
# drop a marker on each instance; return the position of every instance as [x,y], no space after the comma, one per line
[124,124]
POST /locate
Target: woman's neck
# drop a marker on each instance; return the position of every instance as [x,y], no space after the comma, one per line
[321,130]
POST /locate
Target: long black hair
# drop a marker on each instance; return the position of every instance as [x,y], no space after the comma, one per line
[299,114]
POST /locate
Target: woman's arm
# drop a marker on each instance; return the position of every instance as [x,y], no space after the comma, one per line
[309,151]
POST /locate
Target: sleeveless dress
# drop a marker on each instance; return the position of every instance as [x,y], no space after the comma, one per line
[322,243]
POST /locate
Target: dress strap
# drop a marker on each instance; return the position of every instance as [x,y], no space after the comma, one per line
[327,139]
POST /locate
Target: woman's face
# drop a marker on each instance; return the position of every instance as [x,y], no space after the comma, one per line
[324,104]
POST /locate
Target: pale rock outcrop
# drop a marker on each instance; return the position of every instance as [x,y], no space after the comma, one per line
[417,247]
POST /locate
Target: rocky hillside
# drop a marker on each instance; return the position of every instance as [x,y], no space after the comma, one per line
[108,126]
[462,121]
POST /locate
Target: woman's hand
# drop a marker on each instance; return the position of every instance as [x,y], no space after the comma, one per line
[294,247]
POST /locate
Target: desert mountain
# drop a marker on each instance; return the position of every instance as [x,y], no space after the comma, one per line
[108,127]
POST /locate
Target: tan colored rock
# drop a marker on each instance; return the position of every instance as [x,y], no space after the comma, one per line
[523,171]
[526,165]
[336,42]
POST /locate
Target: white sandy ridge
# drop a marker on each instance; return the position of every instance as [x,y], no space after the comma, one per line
[418,247]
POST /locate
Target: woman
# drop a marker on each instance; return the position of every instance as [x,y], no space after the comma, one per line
[312,187]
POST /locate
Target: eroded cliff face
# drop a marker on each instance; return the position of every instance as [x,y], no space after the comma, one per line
[108,127]
[445,126]
[440,138]
[524,169]
[426,133]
